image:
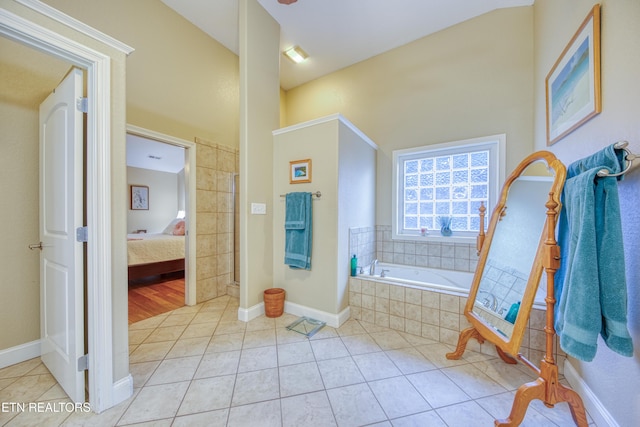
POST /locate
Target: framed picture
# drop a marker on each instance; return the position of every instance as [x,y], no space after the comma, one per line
[139,197]
[573,84]
[300,171]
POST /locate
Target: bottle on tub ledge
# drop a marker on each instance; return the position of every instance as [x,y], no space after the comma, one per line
[513,312]
[354,266]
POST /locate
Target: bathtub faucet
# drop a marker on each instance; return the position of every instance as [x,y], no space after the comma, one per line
[372,267]
[490,301]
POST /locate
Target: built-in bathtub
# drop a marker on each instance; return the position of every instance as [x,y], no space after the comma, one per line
[429,303]
[456,282]
[450,281]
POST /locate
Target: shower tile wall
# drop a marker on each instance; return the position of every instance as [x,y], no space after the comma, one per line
[215,166]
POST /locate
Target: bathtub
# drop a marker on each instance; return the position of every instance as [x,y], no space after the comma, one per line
[447,281]
[455,282]
[425,302]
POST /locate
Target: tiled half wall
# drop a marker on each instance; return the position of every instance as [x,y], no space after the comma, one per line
[434,315]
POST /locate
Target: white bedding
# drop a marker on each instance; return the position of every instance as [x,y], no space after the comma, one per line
[149,248]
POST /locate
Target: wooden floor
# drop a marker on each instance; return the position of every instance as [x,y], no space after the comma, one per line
[149,297]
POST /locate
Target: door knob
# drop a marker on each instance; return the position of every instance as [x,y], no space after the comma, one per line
[36,246]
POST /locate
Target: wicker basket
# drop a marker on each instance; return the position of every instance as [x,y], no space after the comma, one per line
[274,302]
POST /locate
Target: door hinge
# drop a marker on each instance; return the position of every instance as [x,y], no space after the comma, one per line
[83,363]
[82,104]
[82,234]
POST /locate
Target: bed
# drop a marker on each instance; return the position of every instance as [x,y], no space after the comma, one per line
[154,254]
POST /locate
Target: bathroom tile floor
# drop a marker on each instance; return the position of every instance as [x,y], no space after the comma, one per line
[200,366]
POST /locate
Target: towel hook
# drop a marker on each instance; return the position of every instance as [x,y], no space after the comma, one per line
[629,157]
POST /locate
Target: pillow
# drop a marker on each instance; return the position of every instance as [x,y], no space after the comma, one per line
[179,229]
[175,227]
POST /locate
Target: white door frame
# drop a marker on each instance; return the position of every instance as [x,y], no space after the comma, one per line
[190,184]
[103,392]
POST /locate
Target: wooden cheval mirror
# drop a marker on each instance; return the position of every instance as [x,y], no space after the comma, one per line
[519,243]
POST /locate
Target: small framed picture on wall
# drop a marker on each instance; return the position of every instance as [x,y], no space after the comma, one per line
[300,171]
[139,197]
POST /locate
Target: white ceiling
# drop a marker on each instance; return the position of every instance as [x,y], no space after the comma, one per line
[337,33]
[164,157]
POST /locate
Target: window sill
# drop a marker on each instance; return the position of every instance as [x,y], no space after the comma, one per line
[434,237]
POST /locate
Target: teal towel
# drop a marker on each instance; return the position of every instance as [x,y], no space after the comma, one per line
[295,211]
[298,230]
[591,290]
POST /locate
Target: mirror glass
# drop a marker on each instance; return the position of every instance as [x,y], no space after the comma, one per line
[513,250]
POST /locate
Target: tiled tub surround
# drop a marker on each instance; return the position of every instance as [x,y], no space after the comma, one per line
[436,315]
[362,243]
[369,244]
[426,313]
[432,254]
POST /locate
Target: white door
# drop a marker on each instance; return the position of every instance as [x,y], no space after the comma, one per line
[61,212]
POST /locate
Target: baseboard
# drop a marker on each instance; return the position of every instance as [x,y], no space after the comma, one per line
[122,390]
[19,353]
[596,409]
[246,314]
[333,320]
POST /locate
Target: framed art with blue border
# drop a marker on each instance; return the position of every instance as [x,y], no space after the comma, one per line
[573,85]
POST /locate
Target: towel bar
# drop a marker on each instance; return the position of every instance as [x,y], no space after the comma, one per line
[317,194]
[630,157]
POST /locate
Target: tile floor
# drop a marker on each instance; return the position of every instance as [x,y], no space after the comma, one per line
[200,366]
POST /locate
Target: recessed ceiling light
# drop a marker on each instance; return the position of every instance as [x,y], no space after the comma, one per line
[296,54]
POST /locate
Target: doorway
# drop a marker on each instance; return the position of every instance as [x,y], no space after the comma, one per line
[160,162]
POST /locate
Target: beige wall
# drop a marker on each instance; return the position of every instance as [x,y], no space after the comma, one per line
[259,115]
[163,200]
[20,283]
[612,378]
[473,79]
[356,199]
[316,288]
[343,170]
[180,81]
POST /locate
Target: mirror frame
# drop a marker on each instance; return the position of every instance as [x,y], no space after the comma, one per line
[512,343]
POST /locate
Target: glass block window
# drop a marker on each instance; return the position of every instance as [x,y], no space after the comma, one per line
[451,190]
[450,181]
